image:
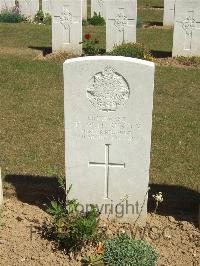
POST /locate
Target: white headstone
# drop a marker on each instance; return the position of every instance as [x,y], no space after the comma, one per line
[67,26]
[121,22]
[108,118]
[169,12]
[84,9]
[186,40]
[1,190]
[6,4]
[47,6]
[98,7]
[28,8]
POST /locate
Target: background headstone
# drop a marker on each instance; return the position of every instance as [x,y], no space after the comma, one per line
[29,8]
[186,40]
[108,118]
[6,4]
[84,9]
[47,6]
[98,6]
[121,21]
[67,26]
[169,12]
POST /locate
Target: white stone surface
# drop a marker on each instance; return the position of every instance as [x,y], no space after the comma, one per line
[98,6]
[1,190]
[169,12]
[121,22]
[29,8]
[84,9]
[6,4]
[186,40]
[67,26]
[47,6]
[108,119]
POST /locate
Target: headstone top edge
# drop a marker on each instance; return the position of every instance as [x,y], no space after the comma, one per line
[111,58]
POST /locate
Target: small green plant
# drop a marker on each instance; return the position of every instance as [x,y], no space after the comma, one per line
[134,50]
[42,18]
[72,228]
[11,16]
[158,199]
[47,19]
[90,45]
[62,182]
[39,17]
[85,22]
[93,260]
[97,20]
[125,251]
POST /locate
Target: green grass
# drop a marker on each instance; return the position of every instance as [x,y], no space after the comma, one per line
[151,3]
[31,93]
[38,36]
[24,35]
[156,39]
[152,17]
[175,149]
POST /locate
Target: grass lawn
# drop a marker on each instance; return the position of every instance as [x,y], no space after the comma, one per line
[31,93]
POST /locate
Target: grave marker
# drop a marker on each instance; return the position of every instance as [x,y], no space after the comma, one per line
[108,118]
[187,28]
[121,22]
[169,12]
[98,6]
[6,4]
[28,8]
[84,9]
[47,6]
[67,26]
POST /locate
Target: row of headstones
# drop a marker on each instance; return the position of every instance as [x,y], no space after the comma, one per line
[121,20]
[184,15]
[28,8]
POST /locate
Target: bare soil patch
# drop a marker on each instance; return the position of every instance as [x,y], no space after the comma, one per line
[177,240]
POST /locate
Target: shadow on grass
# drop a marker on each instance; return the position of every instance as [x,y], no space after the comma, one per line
[34,190]
[179,202]
[45,50]
[159,7]
[154,23]
[161,54]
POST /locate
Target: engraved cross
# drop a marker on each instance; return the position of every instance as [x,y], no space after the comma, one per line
[66,19]
[107,164]
[189,25]
[121,21]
